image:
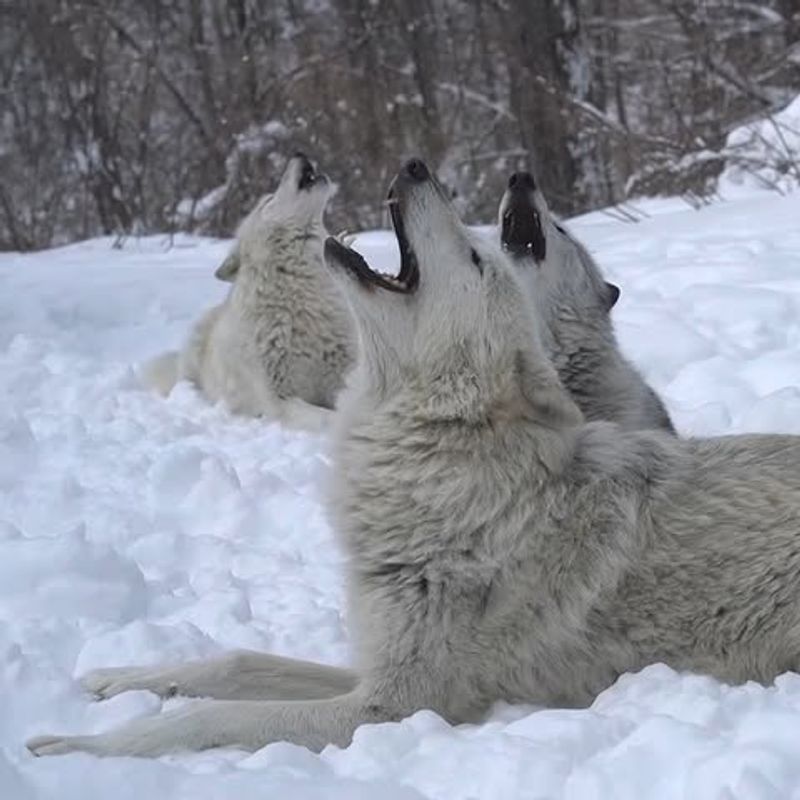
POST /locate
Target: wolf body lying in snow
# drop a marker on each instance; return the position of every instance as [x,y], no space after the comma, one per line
[500,547]
[282,342]
[573,304]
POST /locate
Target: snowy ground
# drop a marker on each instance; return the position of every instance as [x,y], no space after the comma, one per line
[134,530]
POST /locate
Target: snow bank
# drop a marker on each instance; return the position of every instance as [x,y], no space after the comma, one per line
[765,153]
[135,529]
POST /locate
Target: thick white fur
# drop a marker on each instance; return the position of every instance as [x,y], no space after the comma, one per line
[500,548]
[281,343]
[573,304]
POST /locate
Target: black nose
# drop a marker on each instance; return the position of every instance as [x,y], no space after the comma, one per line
[300,154]
[416,169]
[521,180]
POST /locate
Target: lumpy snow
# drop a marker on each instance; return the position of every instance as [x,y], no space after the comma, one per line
[136,530]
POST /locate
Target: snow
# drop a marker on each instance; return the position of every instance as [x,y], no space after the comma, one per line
[135,529]
[765,152]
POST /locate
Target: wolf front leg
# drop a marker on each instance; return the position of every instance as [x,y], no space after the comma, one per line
[227,723]
[240,675]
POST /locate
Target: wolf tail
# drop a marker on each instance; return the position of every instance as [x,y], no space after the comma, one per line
[161,373]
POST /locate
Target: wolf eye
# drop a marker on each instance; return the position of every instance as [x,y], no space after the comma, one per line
[476,260]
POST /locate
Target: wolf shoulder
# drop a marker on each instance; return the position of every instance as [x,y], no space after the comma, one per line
[687,489]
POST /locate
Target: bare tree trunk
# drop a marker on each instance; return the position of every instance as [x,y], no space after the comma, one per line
[165,114]
[85,114]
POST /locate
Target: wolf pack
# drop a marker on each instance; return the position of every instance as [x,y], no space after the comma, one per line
[521,521]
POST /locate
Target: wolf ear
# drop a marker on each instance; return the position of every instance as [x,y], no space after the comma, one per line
[227,270]
[612,295]
[549,400]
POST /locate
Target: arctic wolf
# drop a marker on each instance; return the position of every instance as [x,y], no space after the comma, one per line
[499,546]
[281,343]
[573,305]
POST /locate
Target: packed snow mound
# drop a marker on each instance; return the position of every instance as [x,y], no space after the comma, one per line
[135,529]
[765,153]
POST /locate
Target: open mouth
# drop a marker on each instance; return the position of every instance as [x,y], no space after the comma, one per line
[404,282]
[308,175]
[522,233]
[408,277]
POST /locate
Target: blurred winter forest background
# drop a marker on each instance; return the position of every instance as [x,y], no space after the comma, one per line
[134,116]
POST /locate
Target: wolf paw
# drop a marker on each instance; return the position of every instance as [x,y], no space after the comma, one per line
[196,726]
[51,745]
[111,681]
[108,744]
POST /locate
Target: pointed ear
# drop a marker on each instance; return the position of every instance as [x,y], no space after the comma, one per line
[549,401]
[227,270]
[612,295]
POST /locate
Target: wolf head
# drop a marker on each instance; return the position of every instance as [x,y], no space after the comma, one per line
[555,268]
[298,204]
[453,325]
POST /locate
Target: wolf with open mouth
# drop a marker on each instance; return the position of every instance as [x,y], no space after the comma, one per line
[499,547]
[282,342]
[573,304]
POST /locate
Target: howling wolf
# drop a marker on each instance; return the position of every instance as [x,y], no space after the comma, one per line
[281,343]
[500,547]
[573,305]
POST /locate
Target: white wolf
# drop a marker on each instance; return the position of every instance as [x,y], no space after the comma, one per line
[573,305]
[282,341]
[499,546]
